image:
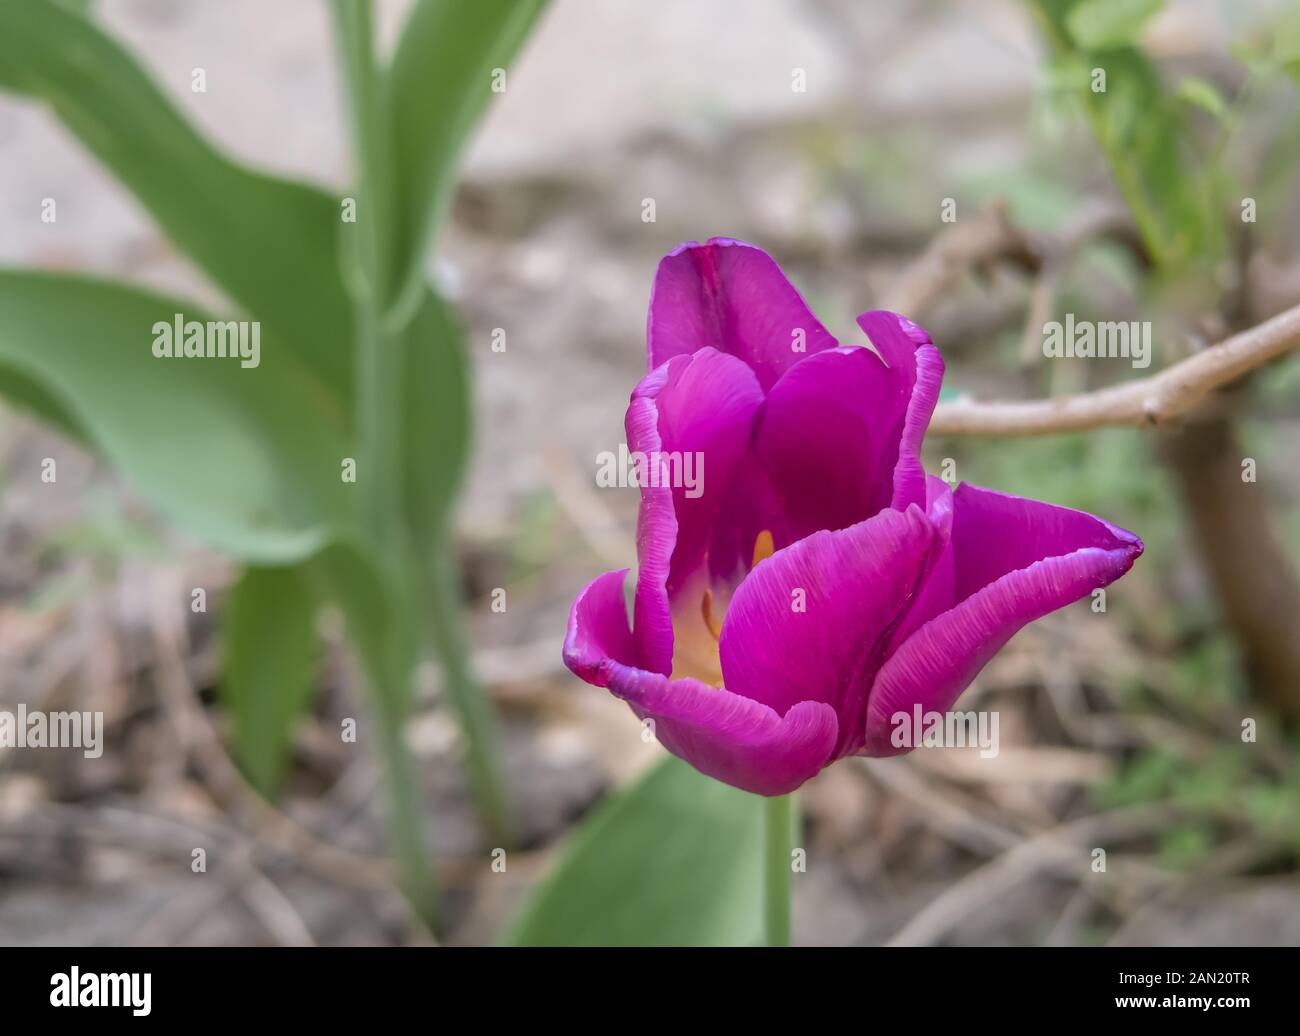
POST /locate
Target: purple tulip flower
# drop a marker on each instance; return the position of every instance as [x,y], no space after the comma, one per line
[821,583]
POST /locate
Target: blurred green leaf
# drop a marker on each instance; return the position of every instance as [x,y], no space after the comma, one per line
[1207,675]
[1285,37]
[1108,23]
[270,243]
[1149,777]
[1175,196]
[1212,782]
[247,458]
[30,396]
[673,860]
[1065,74]
[1036,198]
[1185,845]
[1271,807]
[439,83]
[1203,94]
[1143,132]
[270,644]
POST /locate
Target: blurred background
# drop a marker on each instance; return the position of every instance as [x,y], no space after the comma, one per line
[1119,730]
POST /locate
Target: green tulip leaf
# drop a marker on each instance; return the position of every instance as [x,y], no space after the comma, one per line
[270,656]
[440,81]
[673,860]
[270,244]
[248,458]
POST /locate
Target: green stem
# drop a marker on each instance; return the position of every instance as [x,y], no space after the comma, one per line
[379,352]
[777,869]
[382,345]
[406,821]
[468,698]
[380,360]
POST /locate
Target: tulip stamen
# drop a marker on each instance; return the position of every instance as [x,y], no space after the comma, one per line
[710,620]
[764,547]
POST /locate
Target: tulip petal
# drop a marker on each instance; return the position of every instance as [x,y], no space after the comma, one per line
[724,735]
[733,296]
[656,533]
[696,409]
[936,593]
[598,633]
[916,376]
[995,533]
[828,437]
[751,508]
[1014,560]
[729,737]
[811,622]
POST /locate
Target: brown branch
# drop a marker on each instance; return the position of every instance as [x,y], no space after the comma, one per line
[1064,850]
[1150,401]
[987,238]
[1253,578]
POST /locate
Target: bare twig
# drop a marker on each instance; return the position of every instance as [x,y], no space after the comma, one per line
[223,779]
[177,917]
[1063,933]
[1233,858]
[988,237]
[1062,850]
[274,909]
[942,809]
[1149,401]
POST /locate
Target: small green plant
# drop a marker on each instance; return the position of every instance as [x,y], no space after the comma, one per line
[326,457]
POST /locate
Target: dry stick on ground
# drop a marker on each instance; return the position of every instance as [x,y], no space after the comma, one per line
[1149,401]
[272,831]
[238,875]
[1064,850]
[223,779]
[1238,855]
[1071,917]
[947,812]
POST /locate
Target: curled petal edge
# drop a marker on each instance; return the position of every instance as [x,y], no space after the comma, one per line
[722,734]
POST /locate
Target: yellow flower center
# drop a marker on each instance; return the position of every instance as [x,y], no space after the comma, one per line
[695,642]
